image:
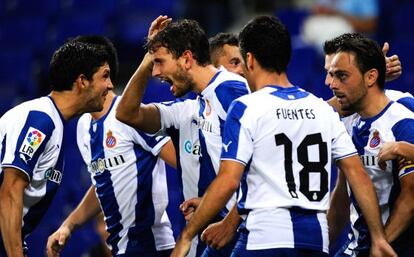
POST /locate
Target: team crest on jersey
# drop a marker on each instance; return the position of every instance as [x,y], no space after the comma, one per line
[375,139]
[110,140]
[31,143]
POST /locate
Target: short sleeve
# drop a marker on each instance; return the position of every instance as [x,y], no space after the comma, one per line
[237,139]
[26,141]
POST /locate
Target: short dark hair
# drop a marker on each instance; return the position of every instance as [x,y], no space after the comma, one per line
[180,36]
[109,47]
[73,59]
[368,55]
[269,41]
[217,43]
[331,46]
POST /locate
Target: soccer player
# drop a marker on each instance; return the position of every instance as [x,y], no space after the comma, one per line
[277,148]
[31,140]
[129,180]
[179,54]
[224,51]
[357,72]
[337,220]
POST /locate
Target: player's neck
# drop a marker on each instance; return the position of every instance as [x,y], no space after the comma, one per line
[106,106]
[202,77]
[373,104]
[67,103]
[265,78]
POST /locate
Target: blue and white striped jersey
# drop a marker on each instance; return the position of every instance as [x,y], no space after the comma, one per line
[286,138]
[31,141]
[130,183]
[394,123]
[403,98]
[199,124]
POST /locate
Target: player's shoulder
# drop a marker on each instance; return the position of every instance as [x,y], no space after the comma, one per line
[39,109]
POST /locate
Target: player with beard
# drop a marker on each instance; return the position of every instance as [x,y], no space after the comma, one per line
[178,53]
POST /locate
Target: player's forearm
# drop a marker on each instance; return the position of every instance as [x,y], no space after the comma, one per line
[129,107]
[214,200]
[87,209]
[402,215]
[11,209]
[338,213]
[365,194]
[405,150]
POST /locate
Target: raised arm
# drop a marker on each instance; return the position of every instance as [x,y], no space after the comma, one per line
[87,209]
[364,192]
[11,210]
[130,110]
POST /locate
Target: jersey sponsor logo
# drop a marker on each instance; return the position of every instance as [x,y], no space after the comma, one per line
[203,124]
[369,160]
[100,165]
[191,148]
[110,140]
[226,146]
[375,140]
[31,143]
[53,175]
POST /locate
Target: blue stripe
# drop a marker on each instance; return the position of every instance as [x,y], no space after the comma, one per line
[104,187]
[408,102]
[230,90]
[3,148]
[241,209]
[151,141]
[141,238]
[403,130]
[175,187]
[289,93]
[42,122]
[306,223]
[232,130]
[37,211]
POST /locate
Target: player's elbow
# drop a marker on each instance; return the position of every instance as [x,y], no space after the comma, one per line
[125,116]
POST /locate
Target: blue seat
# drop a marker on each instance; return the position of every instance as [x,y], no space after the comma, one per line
[402,16]
[292,18]
[132,28]
[27,32]
[72,24]
[47,8]
[16,68]
[300,69]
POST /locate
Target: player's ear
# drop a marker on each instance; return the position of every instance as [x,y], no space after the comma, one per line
[81,82]
[187,58]
[371,77]
[250,61]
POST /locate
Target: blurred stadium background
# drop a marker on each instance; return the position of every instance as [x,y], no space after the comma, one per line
[31,30]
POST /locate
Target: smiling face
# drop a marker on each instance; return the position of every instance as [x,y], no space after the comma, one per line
[98,89]
[347,83]
[231,59]
[170,70]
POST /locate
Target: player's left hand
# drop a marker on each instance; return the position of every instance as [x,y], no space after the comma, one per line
[381,248]
[386,153]
[218,234]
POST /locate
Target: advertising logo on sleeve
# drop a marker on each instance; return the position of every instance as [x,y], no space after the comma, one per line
[31,143]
